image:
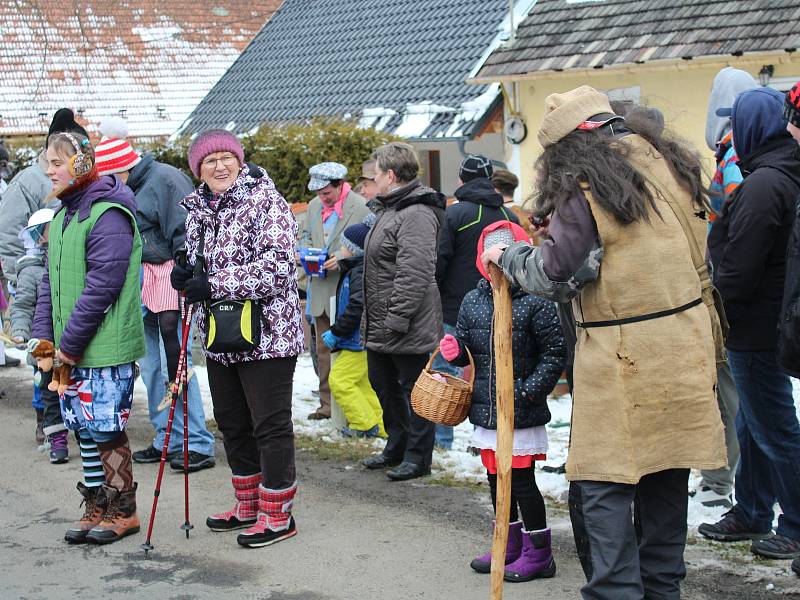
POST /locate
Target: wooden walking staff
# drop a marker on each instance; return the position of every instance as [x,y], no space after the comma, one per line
[504,385]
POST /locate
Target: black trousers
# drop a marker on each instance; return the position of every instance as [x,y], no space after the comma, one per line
[253,409]
[625,556]
[392,377]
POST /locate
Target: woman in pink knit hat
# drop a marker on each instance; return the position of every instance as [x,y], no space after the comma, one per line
[240,238]
[158,189]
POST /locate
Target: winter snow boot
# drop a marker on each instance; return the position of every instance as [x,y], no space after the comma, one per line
[244,512]
[93,504]
[274,522]
[119,516]
[536,559]
[483,564]
[59,448]
[40,437]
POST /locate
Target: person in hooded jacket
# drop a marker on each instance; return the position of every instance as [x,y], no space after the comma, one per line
[402,322]
[716,485]
[539,358]
[158,189]
[748,244]
[88,308]
[30,271]
[244,232]
[789,332]
[789,326]
[479,205]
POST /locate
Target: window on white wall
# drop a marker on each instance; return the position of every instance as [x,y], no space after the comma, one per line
[628,95]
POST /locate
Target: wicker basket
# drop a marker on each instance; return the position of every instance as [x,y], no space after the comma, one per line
[444,402]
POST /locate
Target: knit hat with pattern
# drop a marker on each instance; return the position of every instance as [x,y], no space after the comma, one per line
[353,238]
[791,108]
[211,141]
[114,154]
[564,112]
[475,166]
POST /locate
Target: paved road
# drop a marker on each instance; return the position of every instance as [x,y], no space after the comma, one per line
[360,536]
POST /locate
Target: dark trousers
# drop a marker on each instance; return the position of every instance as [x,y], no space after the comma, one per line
[52,422]
[253,409]
[526,499]
[769,442]
[392,377]
[631,556]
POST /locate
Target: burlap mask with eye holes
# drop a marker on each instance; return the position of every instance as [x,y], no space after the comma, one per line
[80,164]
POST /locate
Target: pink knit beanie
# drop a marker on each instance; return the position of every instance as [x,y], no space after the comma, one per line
[213,140]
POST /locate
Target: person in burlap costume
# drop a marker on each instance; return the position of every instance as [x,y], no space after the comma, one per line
[644,406]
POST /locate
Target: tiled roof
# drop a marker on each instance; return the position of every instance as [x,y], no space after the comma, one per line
[155,60]
[561,35]
[397,65]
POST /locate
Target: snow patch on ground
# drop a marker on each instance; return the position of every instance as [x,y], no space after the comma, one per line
[457,462]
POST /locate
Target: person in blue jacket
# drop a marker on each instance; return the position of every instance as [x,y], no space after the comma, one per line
[349,380]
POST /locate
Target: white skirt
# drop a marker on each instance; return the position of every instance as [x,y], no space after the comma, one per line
[528,441]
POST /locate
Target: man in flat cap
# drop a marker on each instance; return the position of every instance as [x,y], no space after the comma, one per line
[335,207]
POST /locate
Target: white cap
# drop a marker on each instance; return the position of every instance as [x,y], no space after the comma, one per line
[43,215]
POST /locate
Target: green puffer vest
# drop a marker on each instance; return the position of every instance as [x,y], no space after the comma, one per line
[120,337]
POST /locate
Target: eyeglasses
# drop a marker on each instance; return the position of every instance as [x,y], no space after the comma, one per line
[227,161]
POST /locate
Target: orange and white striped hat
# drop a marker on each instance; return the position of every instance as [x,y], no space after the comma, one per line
[114,154]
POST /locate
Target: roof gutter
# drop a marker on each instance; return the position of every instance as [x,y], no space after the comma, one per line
[701,62]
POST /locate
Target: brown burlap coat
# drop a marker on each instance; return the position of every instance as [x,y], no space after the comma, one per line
[644,398]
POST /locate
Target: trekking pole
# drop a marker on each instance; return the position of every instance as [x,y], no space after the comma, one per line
[505,423]
[181,374]
[187,325]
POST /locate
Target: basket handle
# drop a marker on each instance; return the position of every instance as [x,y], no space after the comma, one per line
[471,364]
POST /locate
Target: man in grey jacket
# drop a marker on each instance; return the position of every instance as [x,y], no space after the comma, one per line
[335,207]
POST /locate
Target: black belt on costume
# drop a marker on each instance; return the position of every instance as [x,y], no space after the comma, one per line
[647,317]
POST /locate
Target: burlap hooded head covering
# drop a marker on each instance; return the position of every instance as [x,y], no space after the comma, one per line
[564,112]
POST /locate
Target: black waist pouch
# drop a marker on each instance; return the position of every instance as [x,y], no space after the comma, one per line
[233,325]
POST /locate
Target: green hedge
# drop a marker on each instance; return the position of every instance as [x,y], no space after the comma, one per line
[288,151]
[285,151]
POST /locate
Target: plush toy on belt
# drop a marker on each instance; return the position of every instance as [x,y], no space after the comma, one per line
[45,354]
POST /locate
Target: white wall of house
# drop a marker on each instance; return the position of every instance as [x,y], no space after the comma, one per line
[450,156]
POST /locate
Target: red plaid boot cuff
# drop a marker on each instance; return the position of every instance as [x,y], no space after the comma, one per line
[275,507]
[245,489]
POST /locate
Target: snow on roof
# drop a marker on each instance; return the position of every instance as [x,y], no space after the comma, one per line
[362,59]
[150,62]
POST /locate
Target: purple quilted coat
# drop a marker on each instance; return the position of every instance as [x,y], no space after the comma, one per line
[249,252]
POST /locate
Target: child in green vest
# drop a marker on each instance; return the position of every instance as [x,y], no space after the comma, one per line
[88,312]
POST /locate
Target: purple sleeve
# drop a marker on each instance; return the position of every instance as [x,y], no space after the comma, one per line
[108,254]
[572,235]
[42,327]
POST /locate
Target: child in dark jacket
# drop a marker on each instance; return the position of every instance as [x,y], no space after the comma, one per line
[348,379]
[30,271]
[539,358]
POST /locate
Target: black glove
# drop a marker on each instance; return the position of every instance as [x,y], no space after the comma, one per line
[197,289]
[179,276]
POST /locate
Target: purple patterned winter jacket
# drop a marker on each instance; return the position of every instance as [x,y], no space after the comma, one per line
[249,253]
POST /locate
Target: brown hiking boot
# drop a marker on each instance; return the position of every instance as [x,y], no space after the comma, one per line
[119,518]
[93,503]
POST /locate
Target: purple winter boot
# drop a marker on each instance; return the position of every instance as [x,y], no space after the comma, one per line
[536,559]
[483,564]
